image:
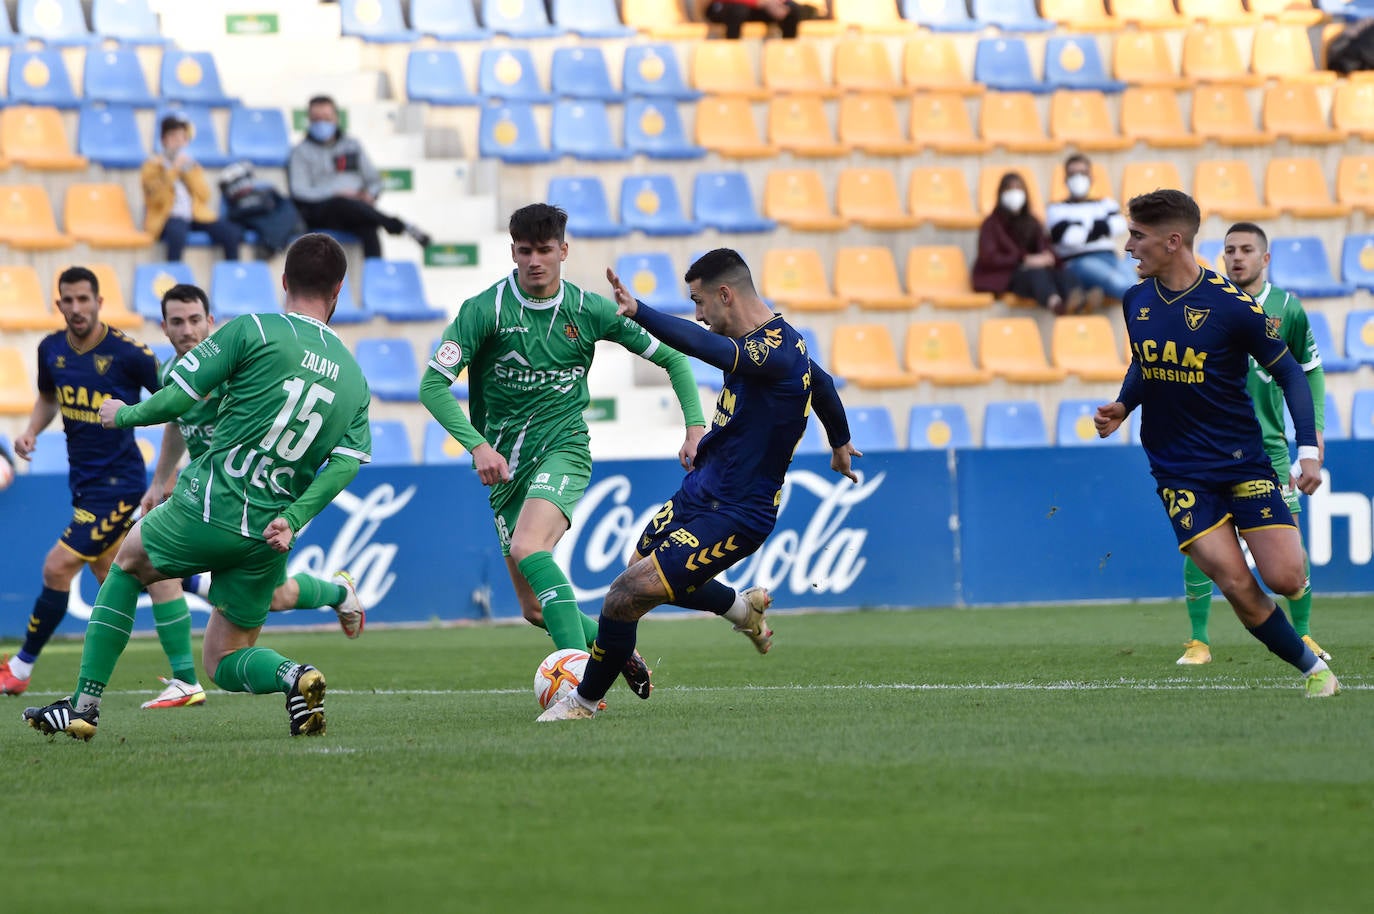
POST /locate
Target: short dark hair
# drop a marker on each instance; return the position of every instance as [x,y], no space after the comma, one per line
[73,275]
[321,100]
[1164,207]
[1075,158]
[1252,229]
[538,222]
[721,265]
[185,291]
[315,265]
[173,121]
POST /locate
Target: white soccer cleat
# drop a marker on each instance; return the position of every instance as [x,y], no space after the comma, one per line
[352,616]
[178,694]
[755,628]
[566,708]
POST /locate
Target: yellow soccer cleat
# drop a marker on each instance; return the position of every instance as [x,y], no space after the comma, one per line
[756,627]
[1195,653]
[1316,648]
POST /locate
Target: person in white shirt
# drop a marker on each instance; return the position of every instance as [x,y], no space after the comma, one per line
[1082,230]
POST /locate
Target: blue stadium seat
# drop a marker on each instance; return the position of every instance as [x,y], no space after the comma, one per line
[1362,416]
[1074,425]
[447,20]
[1333,430]
[650,277]
[653,128]
[1300,265]
[813,439]
[350,310]
[707,376]
[946,16]
[49,453]
[163,352]
[149,441]
[1074,62]
[435,75]
[393,289]
[528,18]
[584,200]
[508,132]
[937,427]
[242,287]
[871,428]
[508,73]
[581,72]
[582,129]
[1209,252]
[390,368]
[108,135]
[390,444]
[126,21]
[1004,64]
[376,21]
[590,18]
[114,75]
[650,204]
[1359,337]
[259,135]
[38,76]
[440,446]
[1326,345]
[1357,261]
[151,280]
[1011,15]
[204,145]
[192,77]
[54,22]
[652,70]
[1013,423]
[723,201]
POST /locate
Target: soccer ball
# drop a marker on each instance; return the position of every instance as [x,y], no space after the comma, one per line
[559,674]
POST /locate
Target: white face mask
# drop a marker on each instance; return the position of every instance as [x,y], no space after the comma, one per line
[1079,185]
[1012,200]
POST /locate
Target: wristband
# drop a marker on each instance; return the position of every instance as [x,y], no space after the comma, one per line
[1308,452]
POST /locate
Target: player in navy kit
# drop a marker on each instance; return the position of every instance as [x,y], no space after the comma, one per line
[1192,333]
[728,503]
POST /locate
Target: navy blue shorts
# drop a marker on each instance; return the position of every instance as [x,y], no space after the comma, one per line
[689,546]
[1196,507]
[99,521]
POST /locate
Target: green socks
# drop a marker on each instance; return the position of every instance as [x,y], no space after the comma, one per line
[258,670]
[315,593]
[566,624]
[107,634]
[1197,590]
[1300,607]
[173,621]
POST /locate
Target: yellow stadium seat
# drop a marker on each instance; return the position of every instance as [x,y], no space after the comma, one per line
[114,310]
[1222,114]
[1290,12]
[931,61]
[940,121]
[1011,120]
[795,66]
[23,306]
[1217,12]
[1210,55]
[1151,115]
[726,126]
[869,197]
[1084,345]
[868,16]
[795,278]
[1081,119]
[939,352]
[1298,187]
[863,65]
[99,215]
[864,354]
[1355,182]
[725,68]
[1149,14]
[1352,108]
[868,277]
[1143,59]
[940,195]
[940,275]
[798,124]
[1284,52]
[1101,185]
[664,19]
[1080,15]
[35,138]
[869,123]
[1227,189]
[1012,348]
[991,176]
[17,391]
[26,220]
[1142,177]
[797,198]
[1294,111]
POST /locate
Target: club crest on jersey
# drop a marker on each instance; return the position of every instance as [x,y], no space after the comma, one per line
[1195,316]
[1272,325]
[758,351]
[102,363]
[570,331]
[1186,521]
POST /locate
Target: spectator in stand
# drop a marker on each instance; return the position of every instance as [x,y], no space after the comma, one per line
[1082,229]
[176,196]
[1014,254]
[335,185]
[732,14]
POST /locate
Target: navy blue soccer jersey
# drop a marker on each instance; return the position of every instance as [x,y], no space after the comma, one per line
[114,366]
[1192,351]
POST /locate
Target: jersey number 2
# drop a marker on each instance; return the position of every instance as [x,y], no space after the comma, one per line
[291,445]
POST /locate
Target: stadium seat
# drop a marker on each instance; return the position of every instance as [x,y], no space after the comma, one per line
[940,275]
[1074,62]
[26,220]
[1210,55]
[797,124]
[863,65]
[1148,14]
[865,355]
[193,78]
[652,70]
[17,391]
[867,16]
[795,66]
[1012,348]
[1227,189]
[813,439]
[938,427]
[593,19]
[989,177]
[582,129]
[929,62]
[723,201]
[871,428]
[1080,15]
[662,20]
[1284,52]
[390,444]
[651,204]
[204,144]
[38,76]
[653,128]
[36,139]
[389,365]
[242,287]
[1359,337]
[151,280]
[1010,15]
[114,75]
[1361,416]
[126,21]
[435,76]
[1151,115]
[1083,345]
[1079,117]
[1209,255]
[1222,114]
[1014,423]
[1142,177]
[940,15]
[375,21]
[1294,111]
[725,68]
[939,352]
[149,441]
[869,197]
[1074,425]
[584,200]
[1143,59]
[54,22]
[1216,12]
[940,121]
[49,454]
[518,19]
[868,122]
[1357,261]
[726,126]
[581,72]
[1298,187]
[651,278]
[393,289]
[447,20]
[1003,63]
[99,215]
[794,278]
[508,74]
[259,135]
[349,311]
[1326,344]
[23,305]
[1011,120]
[1355,182]
[1352,108]
[441,447]
[796,198]
[1289,12]
[867,277]
[1333,429]
[508,132]
[1300,265]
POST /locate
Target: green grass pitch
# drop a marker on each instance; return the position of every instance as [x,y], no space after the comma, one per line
[1001,760]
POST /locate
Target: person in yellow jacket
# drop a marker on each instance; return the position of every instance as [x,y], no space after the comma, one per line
[176,196]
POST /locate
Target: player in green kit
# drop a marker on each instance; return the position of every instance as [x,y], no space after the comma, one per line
[1246,252]
[527,343]
[291,432]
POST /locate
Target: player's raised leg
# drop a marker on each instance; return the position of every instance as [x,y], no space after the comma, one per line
[1197,593]
[305,591]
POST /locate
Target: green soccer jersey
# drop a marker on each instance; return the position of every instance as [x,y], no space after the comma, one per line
[197,424]
[291,395]
[1285,312]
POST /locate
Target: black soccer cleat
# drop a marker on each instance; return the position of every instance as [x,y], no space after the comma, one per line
[61,717]
[305,703]
[637,675]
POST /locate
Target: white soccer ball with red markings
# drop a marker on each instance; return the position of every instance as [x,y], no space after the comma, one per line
[559,674]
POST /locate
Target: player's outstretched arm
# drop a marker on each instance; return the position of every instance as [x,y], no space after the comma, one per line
[173,446]
[44,411]
[687,337]
[1298,395]
[163,406]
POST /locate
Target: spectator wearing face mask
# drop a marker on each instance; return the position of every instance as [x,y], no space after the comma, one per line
[1014,254]
[335,185]
[1082,229]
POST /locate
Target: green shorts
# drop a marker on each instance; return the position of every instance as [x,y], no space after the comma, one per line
[245,572]
[559,476]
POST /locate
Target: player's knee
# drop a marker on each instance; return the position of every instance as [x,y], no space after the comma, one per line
[1290,582]
[60,568]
